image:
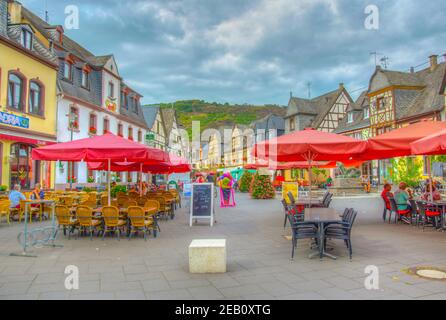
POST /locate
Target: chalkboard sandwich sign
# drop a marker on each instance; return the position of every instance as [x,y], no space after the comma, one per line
[202,202]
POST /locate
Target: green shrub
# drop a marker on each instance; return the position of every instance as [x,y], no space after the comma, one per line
[245,181]
[117,189]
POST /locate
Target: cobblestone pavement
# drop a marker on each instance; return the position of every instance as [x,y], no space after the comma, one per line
[259,265]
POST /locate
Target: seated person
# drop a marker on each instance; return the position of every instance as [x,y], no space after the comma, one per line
[37,193]
[402,197]
[15,196]
[435,194]
[386,194]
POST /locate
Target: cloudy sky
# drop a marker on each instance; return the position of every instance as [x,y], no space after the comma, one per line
[252,51]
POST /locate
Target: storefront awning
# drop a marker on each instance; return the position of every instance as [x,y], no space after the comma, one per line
[26,140]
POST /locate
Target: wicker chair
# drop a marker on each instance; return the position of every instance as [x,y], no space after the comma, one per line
[112,223]
[138,221]
[5,210]
[65,220]
[84,215]
[154,215]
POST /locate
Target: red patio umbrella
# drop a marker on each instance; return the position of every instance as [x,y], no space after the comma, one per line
[397,143]
[309,145]
[434,144]
[99,148]
[107,147]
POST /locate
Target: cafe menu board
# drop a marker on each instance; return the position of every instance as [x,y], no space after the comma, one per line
[202,202]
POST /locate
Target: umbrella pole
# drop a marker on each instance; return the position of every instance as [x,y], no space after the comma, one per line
[140,179]
[430,177]
[108,182]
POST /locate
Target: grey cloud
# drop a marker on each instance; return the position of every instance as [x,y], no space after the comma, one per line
[252,51]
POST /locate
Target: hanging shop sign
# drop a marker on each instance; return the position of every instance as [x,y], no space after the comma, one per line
[13,120]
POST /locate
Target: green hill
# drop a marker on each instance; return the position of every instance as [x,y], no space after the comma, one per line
[215,114]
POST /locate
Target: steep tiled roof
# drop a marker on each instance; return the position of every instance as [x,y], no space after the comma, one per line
[314,106]
[358,115]
[150,113]
[271,121]
[169,117]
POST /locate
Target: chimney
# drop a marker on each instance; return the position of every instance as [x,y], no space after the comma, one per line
[433,62]
[412,69]
[341,86]
[291,94]
[3,17]
[15,12]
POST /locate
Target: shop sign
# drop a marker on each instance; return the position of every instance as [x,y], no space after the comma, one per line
[150,136]
[13,120]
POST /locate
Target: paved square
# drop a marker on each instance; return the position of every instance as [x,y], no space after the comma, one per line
[259,265]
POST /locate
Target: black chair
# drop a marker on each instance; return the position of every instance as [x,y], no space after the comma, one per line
[325,203]
[398,213]
[414,214]
[341,230]
[286,209]
[303,230]
[426,220]
[386,209]
[291,197]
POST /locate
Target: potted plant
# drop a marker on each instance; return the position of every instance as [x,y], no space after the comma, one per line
[93,130]
[90,179]
[72,179]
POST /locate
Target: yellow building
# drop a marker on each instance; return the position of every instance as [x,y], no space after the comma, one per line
[28,99]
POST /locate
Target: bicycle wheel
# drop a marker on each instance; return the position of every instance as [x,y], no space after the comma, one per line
[30,241]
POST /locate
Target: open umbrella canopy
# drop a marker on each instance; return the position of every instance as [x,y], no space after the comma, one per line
[430,145]
[99,148]
[309,144]
[175,164]
[272,165]
[397,143]
[301,164]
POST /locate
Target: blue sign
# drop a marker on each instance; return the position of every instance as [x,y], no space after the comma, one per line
[13,120]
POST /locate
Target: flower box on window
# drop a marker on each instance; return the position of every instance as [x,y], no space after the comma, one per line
[93,130]
[131,138]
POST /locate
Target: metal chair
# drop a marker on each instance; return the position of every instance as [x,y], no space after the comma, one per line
[341,230]
[398,213]
[428,216]
[302,230]
[387,208]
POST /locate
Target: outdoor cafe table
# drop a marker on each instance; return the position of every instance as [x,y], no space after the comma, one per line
[322,216]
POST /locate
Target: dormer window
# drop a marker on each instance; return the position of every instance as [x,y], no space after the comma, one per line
[26,39]
[366,113]
[350,117]
[68,71]
[111,90]
[85,79]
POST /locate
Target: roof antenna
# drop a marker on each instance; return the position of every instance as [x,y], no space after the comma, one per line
[47,17]
[384,61]
[376,54]
[309,89]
